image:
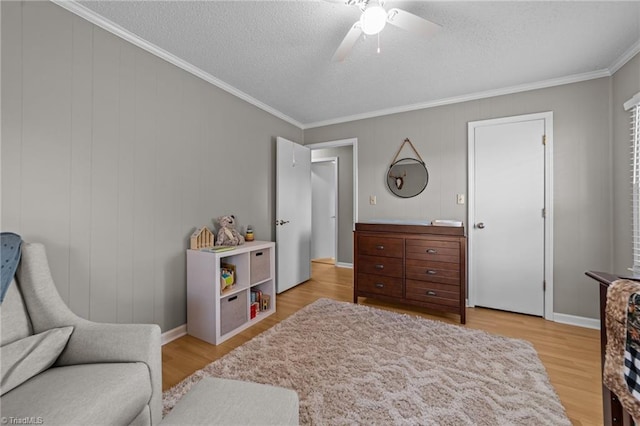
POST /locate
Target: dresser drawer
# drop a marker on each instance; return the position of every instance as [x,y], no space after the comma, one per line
[441,294]
[436,250]
[447,273]
[372,245]
[378,265]
[377,284]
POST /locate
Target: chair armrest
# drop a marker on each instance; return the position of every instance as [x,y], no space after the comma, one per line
[92,343]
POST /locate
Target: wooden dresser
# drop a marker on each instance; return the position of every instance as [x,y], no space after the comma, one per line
[412,264]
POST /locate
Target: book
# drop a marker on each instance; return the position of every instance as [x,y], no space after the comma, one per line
[217,249]
[256,296]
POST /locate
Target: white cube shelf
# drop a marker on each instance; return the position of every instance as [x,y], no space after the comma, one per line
[213,315]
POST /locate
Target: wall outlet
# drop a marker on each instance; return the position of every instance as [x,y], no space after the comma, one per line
[460,199]
[372,200]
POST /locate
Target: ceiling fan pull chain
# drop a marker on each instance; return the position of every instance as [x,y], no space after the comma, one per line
[378,42]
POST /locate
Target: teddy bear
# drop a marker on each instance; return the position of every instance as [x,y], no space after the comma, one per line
[228,235]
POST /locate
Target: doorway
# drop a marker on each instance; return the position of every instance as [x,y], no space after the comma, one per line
[347,152]
[510,214]
[324,209]
[293,209]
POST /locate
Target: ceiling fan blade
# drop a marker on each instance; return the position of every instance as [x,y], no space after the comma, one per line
[410,22]
[347,43]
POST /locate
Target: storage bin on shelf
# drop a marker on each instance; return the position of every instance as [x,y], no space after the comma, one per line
[260,265]
[233,311]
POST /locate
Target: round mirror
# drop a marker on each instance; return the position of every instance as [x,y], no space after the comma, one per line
[407,177]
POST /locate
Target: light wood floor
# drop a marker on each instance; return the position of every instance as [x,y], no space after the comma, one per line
[570,354]
[325,260]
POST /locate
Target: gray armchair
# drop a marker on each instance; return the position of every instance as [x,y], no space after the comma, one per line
[106,373]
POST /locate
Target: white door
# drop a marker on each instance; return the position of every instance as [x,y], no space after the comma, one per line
[324,188]
[293,214]
[507,235]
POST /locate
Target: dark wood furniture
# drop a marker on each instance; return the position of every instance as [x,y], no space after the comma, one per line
[613,412]
[412,264]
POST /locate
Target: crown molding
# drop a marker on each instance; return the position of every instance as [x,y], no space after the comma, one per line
[91,16]
[96,19]
[465,98]
[608,72]
[625,57]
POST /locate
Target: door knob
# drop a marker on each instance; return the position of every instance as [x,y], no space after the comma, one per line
[480,225]
[281,222]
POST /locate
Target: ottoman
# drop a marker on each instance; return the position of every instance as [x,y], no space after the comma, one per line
[214,401]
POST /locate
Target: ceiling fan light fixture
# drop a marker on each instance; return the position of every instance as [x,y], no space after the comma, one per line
[373,20]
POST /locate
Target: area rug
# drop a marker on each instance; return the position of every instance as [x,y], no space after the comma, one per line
[353,364]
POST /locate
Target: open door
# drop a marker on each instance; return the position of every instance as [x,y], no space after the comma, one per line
[293,214]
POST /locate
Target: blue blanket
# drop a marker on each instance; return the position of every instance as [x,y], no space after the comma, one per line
[10,244]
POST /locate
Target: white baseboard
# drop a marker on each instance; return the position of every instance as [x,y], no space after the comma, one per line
[585,322]
[171,335]
[344,265]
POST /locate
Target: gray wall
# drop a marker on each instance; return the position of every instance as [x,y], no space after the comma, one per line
[111,157]
[582,173]
[345,198]
[625,84]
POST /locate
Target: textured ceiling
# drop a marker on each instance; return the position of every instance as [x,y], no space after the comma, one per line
[279,52]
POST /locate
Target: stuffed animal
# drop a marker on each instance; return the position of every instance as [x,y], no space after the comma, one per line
[228,235]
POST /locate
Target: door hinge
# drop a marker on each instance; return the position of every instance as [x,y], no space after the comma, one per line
[544,139]
[544,285]
[544,212]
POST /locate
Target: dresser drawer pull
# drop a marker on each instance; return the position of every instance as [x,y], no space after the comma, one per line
[380,247]
[432,251]
[378,266]
[379,285]
[431,272]
[431,293]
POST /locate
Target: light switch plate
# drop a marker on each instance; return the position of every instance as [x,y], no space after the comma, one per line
[372,200]
[460,198]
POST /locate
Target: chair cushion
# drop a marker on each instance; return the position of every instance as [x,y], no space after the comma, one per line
[24,358]
[15,321]
[82,394]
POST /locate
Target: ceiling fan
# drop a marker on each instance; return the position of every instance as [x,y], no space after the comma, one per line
[373,20]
